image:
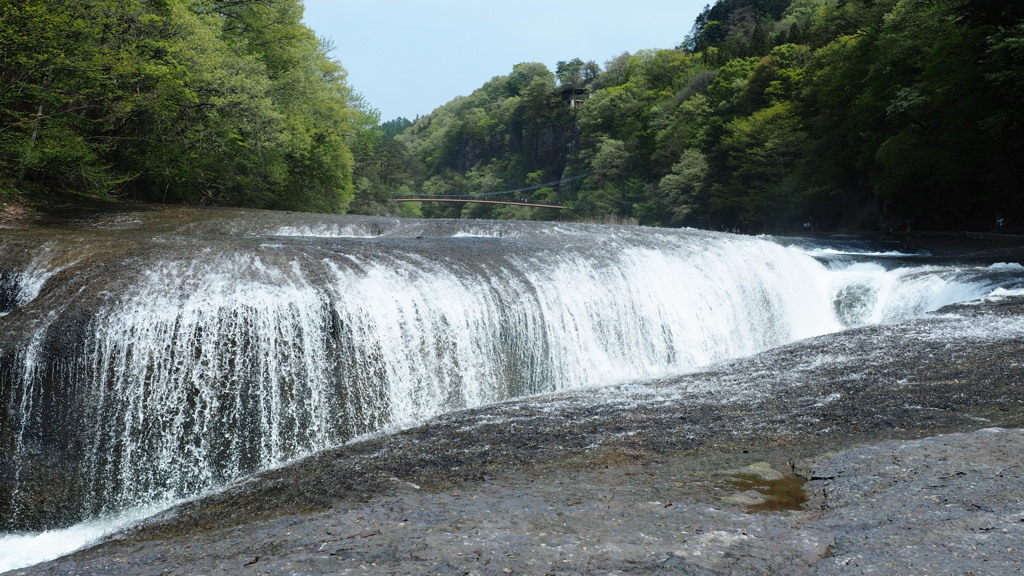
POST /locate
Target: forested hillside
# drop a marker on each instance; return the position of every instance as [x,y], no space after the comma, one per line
[771,114]
[230,102]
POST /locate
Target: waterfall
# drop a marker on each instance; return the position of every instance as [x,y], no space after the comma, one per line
[213,349]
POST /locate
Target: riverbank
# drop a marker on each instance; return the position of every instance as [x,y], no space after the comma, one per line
[658,477]
[966,245]
[14,211]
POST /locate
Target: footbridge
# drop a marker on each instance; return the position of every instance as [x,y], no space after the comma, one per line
[493,197]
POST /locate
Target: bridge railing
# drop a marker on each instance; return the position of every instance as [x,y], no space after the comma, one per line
[485,197]
[473,199]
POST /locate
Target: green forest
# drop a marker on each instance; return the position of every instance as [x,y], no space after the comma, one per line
[216,102]
[769,116]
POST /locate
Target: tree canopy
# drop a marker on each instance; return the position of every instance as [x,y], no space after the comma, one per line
[770,114]
[230,102]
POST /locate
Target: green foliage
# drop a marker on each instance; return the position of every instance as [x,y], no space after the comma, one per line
[512,130]
[762,152]
[773,113]
[393,128]
[576,72]
[681,189]
[200,101]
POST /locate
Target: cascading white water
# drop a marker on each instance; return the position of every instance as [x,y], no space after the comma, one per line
[19,287]
[216,363]
[892,289]
[213,368]
[198,377]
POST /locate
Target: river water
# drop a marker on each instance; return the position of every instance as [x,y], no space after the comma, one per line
[149,357]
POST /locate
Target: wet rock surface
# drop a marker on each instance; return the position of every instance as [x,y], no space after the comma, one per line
[949,504]
[902,438]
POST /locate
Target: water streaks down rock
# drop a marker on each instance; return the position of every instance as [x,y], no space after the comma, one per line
[581,482]
[153,356]
[164,354]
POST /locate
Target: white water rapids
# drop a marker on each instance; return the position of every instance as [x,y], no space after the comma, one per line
[246,350]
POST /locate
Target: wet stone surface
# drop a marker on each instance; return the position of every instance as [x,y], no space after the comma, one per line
[943,505]
[892,428]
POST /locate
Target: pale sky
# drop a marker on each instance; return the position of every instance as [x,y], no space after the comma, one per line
[408,57]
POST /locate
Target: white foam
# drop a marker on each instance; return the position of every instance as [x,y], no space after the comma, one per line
[1006,266]
[30,281]
[824,252]
[26,549]
[477,234]
[868,293]
[326,231]
[1000,293]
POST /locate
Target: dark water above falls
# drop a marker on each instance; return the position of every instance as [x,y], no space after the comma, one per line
[148,357]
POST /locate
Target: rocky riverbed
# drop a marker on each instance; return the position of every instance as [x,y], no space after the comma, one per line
[883,450]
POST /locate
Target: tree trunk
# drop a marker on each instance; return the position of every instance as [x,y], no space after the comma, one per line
[36,124]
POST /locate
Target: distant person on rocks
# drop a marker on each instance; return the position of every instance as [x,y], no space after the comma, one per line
[999,224]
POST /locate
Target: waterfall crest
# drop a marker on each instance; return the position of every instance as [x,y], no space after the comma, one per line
[166,359]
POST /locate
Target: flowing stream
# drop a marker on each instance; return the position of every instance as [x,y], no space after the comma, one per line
[147,357]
